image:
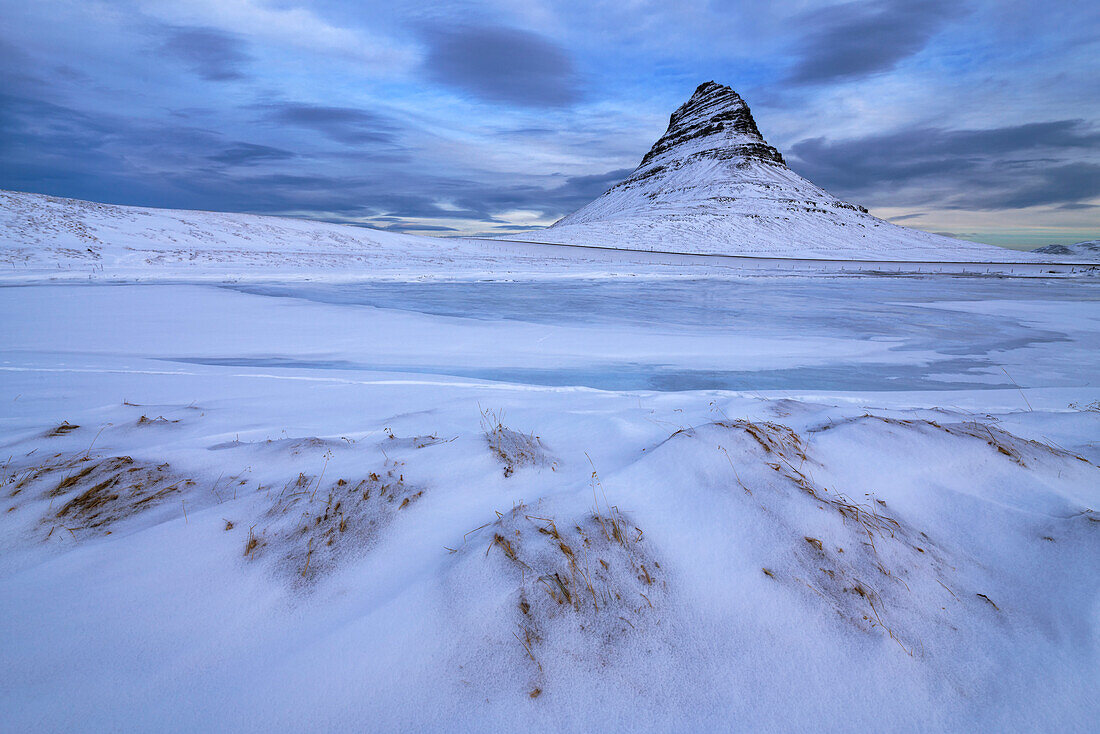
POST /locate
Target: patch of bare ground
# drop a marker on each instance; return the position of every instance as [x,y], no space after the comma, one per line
[581,585]
[512,448]
[311,527]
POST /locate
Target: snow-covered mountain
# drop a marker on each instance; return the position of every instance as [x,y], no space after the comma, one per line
[712,184]
[1089,250]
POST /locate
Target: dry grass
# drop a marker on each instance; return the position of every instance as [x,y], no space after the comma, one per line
[421,441]
[120,487]
[92,493]
[251,543]
[160,420]
[311,527]
[512,448]
[1018,450]
[591,576]
[865,577]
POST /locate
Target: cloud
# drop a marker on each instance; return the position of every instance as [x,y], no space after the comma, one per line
[412,227]
[212,54]
[486,201]
[342,124]
[288,26]
[1067,184]
[500,64]
[246,154]
[59,150]
[460,113]
[999,168]
[579,190]
[855,39]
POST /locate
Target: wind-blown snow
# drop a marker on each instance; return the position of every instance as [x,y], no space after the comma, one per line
[288,508]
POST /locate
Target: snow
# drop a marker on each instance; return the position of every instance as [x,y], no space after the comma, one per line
[826,499]
[757,209]
[711,184]
[1087,250]
[46,239]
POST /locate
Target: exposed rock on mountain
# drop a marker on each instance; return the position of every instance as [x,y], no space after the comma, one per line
[712,184]
[721,125]
[1088,250]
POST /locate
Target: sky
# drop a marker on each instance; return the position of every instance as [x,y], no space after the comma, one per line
[974,118]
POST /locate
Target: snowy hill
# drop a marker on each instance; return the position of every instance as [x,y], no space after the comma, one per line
[38,232]
[712,184]
[1088,250]
[52,238]
[46,238]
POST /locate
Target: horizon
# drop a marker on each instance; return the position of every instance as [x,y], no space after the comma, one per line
[485,120]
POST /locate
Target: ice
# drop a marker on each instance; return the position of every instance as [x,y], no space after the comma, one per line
[932,340]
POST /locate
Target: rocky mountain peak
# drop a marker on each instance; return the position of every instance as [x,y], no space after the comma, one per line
[713,185]
[714,123]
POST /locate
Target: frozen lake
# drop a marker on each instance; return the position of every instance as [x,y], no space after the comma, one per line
[753,334]
[936,333]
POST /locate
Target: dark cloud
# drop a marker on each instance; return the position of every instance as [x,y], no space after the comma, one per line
[483,202]
[411,227]
[1001,168]
[210,53]
[24,119]
[246,154]
[855,39]
[530,132]
[501,64]
[1065,184]
[342,124]
[579,190]
[55,149]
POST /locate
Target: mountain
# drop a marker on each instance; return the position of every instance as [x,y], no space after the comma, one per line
[1089,250]
[712,184]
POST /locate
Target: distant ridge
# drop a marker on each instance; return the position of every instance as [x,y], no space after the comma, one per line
[1088,250]
[712,184]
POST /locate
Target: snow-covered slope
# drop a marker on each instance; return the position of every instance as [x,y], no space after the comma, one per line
[39,231]
[53,238]
[228,511]
[46,238]
[1088,250]
[712,184]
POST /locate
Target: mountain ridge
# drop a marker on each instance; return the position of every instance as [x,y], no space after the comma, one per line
[1089,249]
[711,184]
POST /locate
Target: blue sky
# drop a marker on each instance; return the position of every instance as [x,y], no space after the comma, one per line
[975,118]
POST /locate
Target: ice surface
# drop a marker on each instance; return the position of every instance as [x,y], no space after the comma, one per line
[930,340]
